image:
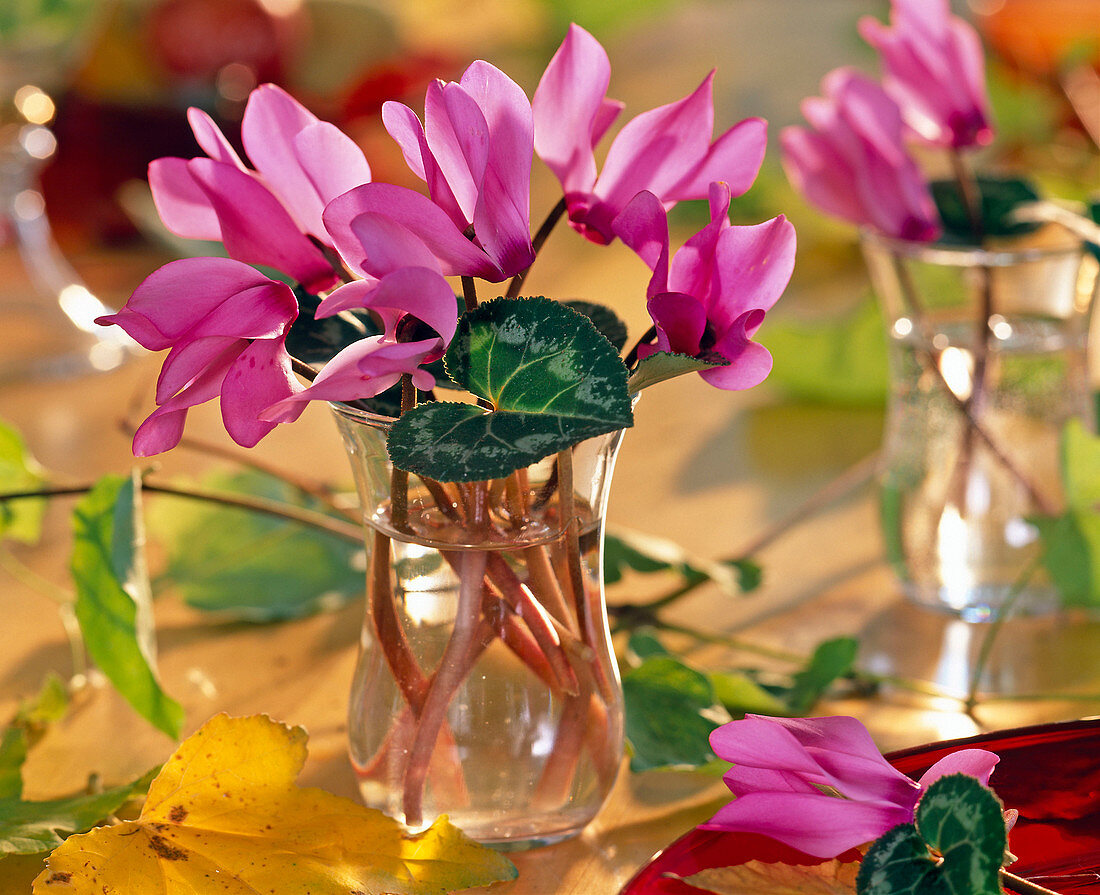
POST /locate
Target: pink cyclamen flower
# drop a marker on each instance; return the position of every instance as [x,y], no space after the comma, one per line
[474,152]
[933,66]
[712,295]
[852,162]
[227,338]
[667,150]
[268,215]
[785,773]
[370,366]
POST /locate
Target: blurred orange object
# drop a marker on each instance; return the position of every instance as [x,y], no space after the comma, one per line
[1038,37]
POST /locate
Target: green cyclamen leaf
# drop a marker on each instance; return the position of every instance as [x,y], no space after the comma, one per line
[251,566]
[318,341]
[19,519]
[956,846]
[609,324]
[999,198]
[28,828]
[113,602]
[551,378]
[666,365]
[670,711]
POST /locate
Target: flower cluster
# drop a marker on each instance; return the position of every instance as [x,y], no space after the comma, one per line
[378,255]
[819,784]
[852,161]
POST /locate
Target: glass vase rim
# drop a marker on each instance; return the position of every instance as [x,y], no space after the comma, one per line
[969,255]
[364,417]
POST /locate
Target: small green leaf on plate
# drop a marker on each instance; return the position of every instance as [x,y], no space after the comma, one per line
[113,602]
[832,659]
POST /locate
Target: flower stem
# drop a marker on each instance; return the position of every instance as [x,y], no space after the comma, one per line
[469,293]
[632,356]
[544,231]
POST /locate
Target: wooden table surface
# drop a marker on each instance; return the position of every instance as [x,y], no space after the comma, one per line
[708,469]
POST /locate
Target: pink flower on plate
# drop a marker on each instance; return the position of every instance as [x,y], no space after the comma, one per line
[852,162]
[933,66]
[819,784]
[268,215]
[667,150]
[474,152]
[713,294]
[228,338]
[371,365]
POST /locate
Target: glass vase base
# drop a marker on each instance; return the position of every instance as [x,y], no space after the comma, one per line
[984,603]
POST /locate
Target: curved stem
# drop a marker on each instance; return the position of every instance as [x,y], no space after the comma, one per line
[632,356]
[469,293]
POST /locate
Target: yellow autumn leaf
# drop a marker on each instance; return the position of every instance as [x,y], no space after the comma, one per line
[760,878]
[225,816]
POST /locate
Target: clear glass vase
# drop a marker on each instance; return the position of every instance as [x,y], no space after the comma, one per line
[486,687]
[987,364]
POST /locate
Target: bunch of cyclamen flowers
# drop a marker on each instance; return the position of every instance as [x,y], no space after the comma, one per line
[308,209]
[853,161]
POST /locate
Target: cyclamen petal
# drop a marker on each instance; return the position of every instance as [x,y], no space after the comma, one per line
[785,770]
[259,377]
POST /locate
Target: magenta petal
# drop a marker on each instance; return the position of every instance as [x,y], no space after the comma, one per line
[193,359]
[332,164]
[458,137]
[256,228]
[163,428]
[734,158]
[820,174]
[680,320]
[261,376]
[457,256]
[388,246]
[753,266]
[405,128]
[818,825]
[211,140]
[977,763]
[182,204]
[643,226]
[571,111]
[749,362]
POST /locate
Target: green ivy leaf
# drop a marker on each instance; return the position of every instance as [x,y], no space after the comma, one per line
[19,519]
[750,575]
[741,695]
[959,820]
[648,554]
[28,828]
[667,365]
[550,377]
[999,198]
[670,711]
[113,602]
[832,659]
[251,566]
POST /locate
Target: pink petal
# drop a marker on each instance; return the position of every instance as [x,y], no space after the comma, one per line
[977,763]
[192,359]
[211,139]
[182,204]
[818,825]
[457,256]
[163,428]
[333,164]
[734,158]
[658,148]
[362,370]
[749,362]
[694,266]
[817,171]
[405,128]
[389,246]
[680,320]
[753,266]
[643,226]
[261,376]
[256,228]
[458,136]
[571,111]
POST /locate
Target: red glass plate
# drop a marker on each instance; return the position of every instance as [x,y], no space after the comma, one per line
[1049,773]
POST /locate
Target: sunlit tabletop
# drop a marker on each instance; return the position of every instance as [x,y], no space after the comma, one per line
[710,470]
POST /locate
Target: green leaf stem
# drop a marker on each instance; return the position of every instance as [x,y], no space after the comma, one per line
[551,379]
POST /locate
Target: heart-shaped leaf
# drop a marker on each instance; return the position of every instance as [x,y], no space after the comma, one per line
[609,324]
[552,381]
[955,847]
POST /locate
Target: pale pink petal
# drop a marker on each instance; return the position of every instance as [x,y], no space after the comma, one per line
[734,158]
[458,137]
[332,164]
[405,128]
[457,256]
[817,171]
[182,204]
[977,763]
[388,246]
[362,370]
[261,376]
[211,139]
[256,228]
[753,265]
[571,111]
[815,824]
